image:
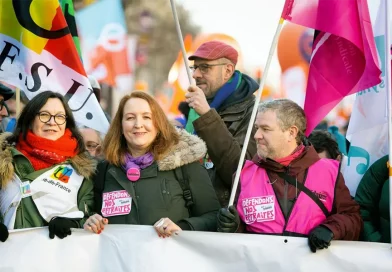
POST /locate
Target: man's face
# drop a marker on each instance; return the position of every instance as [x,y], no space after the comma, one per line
[3,109]
[92,141]
[210,78]
[271,141]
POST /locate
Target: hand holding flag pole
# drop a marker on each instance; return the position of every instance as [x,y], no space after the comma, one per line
[254,111]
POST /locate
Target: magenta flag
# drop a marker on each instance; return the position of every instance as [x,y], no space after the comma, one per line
[344,58]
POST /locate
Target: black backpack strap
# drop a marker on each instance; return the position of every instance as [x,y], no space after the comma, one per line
[183,180]
[99,184]
[304,189]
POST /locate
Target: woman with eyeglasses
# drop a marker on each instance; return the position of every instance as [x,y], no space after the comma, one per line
[152,174]
[45,169]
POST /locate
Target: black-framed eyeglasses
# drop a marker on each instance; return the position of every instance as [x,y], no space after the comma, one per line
[204,67]
[4,105]
[45,117]
[91,146]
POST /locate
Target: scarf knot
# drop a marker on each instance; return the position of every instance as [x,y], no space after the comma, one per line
[43,153]
[139,162]
[295,154]
[226,90]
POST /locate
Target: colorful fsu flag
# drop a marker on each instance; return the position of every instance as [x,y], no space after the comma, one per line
[344,58]
[37,53]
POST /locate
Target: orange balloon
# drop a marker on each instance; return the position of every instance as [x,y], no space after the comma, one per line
[141,85]
[294,45]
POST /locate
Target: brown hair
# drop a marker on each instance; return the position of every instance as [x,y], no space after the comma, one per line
[115,145]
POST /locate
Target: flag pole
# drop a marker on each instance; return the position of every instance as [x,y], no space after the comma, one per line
[253,116]
[388,86]
[192,113]
[179,34]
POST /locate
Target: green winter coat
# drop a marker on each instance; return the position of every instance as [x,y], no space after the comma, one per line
[158,193]
[373,197]
[27,215]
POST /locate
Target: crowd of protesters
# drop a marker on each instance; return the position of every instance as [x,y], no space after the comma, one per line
[147,171]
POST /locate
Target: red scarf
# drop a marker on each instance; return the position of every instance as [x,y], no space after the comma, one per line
[287,160]
[44,153]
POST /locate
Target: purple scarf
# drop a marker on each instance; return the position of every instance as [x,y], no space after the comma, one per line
[139,162]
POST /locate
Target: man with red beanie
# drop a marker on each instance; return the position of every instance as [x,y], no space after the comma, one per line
[223,98]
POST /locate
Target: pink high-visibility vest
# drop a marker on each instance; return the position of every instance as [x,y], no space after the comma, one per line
[259,208]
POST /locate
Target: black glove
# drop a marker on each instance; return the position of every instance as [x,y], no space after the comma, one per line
[61,227]
[319,238]
[228,220]
[3,232]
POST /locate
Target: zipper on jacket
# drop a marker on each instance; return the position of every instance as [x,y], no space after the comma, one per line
[286,186]
[22,212]
[292,206]
[134,184]
[164,191]
[285,199]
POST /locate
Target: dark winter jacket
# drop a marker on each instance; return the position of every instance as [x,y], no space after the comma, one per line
[224,130]
[158,192]
[373,197]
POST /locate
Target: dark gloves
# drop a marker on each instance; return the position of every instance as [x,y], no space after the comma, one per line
[228,220]
[319,238]
[3,232]
[61,227]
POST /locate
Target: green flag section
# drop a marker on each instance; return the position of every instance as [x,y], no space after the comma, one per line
[191,117]
[69,14]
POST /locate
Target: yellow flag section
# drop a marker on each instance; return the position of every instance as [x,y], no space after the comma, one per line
[37,53]
[138,248]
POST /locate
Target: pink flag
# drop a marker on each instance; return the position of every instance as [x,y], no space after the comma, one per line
[344,59]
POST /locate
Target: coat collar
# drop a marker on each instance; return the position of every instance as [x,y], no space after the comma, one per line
[83,163]
[189,149]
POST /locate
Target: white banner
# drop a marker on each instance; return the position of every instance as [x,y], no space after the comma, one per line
[138,248]
[368,128]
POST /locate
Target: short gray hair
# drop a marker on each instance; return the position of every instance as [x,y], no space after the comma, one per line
[101,136]
[288,113]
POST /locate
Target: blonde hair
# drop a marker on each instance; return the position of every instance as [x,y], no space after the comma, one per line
[115,145]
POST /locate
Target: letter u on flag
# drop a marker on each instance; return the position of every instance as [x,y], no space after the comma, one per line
[344,58]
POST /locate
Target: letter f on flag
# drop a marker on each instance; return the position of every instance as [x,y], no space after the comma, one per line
[344,58]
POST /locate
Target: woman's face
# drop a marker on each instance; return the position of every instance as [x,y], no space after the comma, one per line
[137,126]
[50,121]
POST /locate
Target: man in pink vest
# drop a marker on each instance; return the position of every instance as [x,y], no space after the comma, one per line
[287,189]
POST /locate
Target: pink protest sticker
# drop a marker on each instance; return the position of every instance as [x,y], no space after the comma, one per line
[116,203]
[133,174]
[259,209]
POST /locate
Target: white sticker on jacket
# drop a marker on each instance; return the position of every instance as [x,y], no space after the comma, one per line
[116,203]
[259,209]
